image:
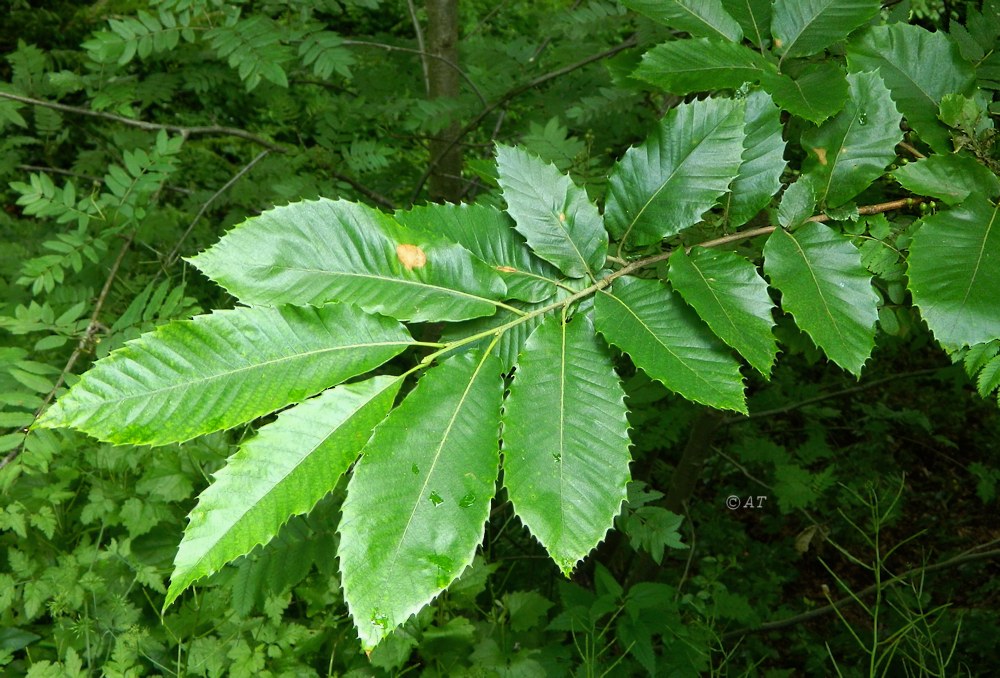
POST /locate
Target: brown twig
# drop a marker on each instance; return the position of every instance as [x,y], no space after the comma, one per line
[911,150]
[835,394]
[968,556]
[423,60]
[93,327]
[369,193]
[875,209]
[511,94]
[216,130]
[172,257]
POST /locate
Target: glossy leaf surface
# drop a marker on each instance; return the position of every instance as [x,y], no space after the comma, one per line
[701,65]
[566,439]
[804,27]
[950,177]
[669,342]
[754,17]
[216,371]
[954,270]
[419,497]
[553,214]
[701,18]
[919,67]
[283,471]
[826,289]
[728,293]
[762,162]
[847,153]
[489,234]
[814,92]
[316,251]
[667,183]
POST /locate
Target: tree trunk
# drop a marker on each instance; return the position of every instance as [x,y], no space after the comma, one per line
[443,82]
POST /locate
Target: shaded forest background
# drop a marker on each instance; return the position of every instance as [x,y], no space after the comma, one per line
[130,139]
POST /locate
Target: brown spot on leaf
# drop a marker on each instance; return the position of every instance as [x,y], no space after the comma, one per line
[820,155]
[411,256]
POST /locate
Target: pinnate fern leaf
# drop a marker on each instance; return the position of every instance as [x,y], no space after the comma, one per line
[191,377]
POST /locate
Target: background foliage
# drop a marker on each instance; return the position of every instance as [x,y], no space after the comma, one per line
[137,133]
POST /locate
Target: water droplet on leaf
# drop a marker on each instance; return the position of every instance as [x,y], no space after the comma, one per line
[436,498]
[468,500]
[415,469]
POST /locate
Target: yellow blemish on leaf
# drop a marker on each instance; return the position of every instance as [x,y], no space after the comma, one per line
[562,217]
[778,43]
[821,155]
[506,269]
[411,256]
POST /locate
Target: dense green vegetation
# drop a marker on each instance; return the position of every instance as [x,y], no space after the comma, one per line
[729,267]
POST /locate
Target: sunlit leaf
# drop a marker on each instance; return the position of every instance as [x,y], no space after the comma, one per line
[919,67]
[702,18]
[216,371]
[804,27]
[316,251]
[954,271]
[763,161]
[754,17]
[951,177]
[283,471]
[701,65]
[565,440]
[813,92]
[419,497]
[489,234]
[826,289]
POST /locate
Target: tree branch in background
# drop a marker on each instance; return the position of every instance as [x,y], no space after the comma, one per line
[215,130]
[423,56]
[964,558]
[445,159]
[419,32]
[93,327]
[172,257]
[515,92]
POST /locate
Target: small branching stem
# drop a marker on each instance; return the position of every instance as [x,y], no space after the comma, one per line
[638,264]
[93,327]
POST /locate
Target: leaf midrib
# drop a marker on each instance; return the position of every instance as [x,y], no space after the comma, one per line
[811,20]
[401,281]
[393,562]
[649,330]
[685,158]
[267,363]
[274,486]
